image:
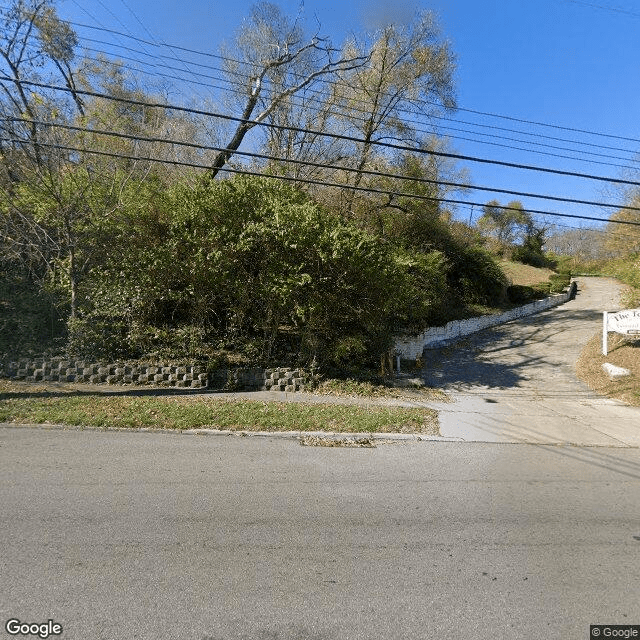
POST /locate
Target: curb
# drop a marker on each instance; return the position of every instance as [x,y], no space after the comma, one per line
[379,435]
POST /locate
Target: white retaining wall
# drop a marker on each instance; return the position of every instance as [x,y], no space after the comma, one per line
[411,347]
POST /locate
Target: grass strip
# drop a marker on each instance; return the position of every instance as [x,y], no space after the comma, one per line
[191,413]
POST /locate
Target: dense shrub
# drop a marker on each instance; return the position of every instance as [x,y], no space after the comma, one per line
[627,270]
[253,265]
[475,277]
[521,294]
[31,319]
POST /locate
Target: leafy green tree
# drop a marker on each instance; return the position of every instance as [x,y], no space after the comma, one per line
[624,240]
[506,224]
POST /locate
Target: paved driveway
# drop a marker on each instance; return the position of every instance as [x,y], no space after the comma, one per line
[517,382]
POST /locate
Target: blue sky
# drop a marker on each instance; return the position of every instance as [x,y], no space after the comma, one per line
[569,63]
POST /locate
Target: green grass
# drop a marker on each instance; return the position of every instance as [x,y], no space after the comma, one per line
[125,411]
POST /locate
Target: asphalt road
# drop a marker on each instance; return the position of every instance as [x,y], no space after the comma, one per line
[132,535]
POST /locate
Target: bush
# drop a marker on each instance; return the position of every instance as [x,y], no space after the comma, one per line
[559,282]
[522,294]
[254,264]
[30,317]
[475,276]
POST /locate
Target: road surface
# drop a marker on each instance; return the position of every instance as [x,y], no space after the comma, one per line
[125,536]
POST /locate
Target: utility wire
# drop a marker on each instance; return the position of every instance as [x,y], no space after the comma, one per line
[463,109]
[241,90]
[408,111]
[319,165]
[322,183]
[336,136]
[412,112]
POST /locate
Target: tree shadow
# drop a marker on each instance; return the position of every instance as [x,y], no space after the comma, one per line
[491,358]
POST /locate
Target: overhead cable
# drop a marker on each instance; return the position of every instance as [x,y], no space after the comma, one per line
[336,136]
[319,165]
[322,183]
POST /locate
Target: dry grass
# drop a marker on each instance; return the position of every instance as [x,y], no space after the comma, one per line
[524,274]
[410,389]
[622,353]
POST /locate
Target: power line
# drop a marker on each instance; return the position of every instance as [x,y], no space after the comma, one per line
[458,108]
[155,44]
[339,114]
[322,183]
[605,8]
[336,136]
[380,174]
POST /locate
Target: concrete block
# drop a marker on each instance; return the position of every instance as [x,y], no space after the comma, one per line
[615,372]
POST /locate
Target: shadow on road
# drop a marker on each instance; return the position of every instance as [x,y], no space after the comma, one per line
[505,356]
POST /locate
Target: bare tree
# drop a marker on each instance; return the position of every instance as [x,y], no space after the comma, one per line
[35,46]
[408,70]
[274,61]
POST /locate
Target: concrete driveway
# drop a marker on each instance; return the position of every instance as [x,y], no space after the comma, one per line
[517,382]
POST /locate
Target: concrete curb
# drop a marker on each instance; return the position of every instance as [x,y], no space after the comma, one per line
[381,435]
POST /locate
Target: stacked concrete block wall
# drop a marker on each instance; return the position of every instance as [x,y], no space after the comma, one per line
[258,379]
[187,376]
[190,376]
[434,337]
[283,379]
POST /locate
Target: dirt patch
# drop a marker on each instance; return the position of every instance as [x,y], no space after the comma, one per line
[622,353]
[316,441]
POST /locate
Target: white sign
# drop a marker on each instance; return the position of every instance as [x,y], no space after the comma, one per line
[625,322]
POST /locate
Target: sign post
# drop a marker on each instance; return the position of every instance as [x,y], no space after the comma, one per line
[625,322]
